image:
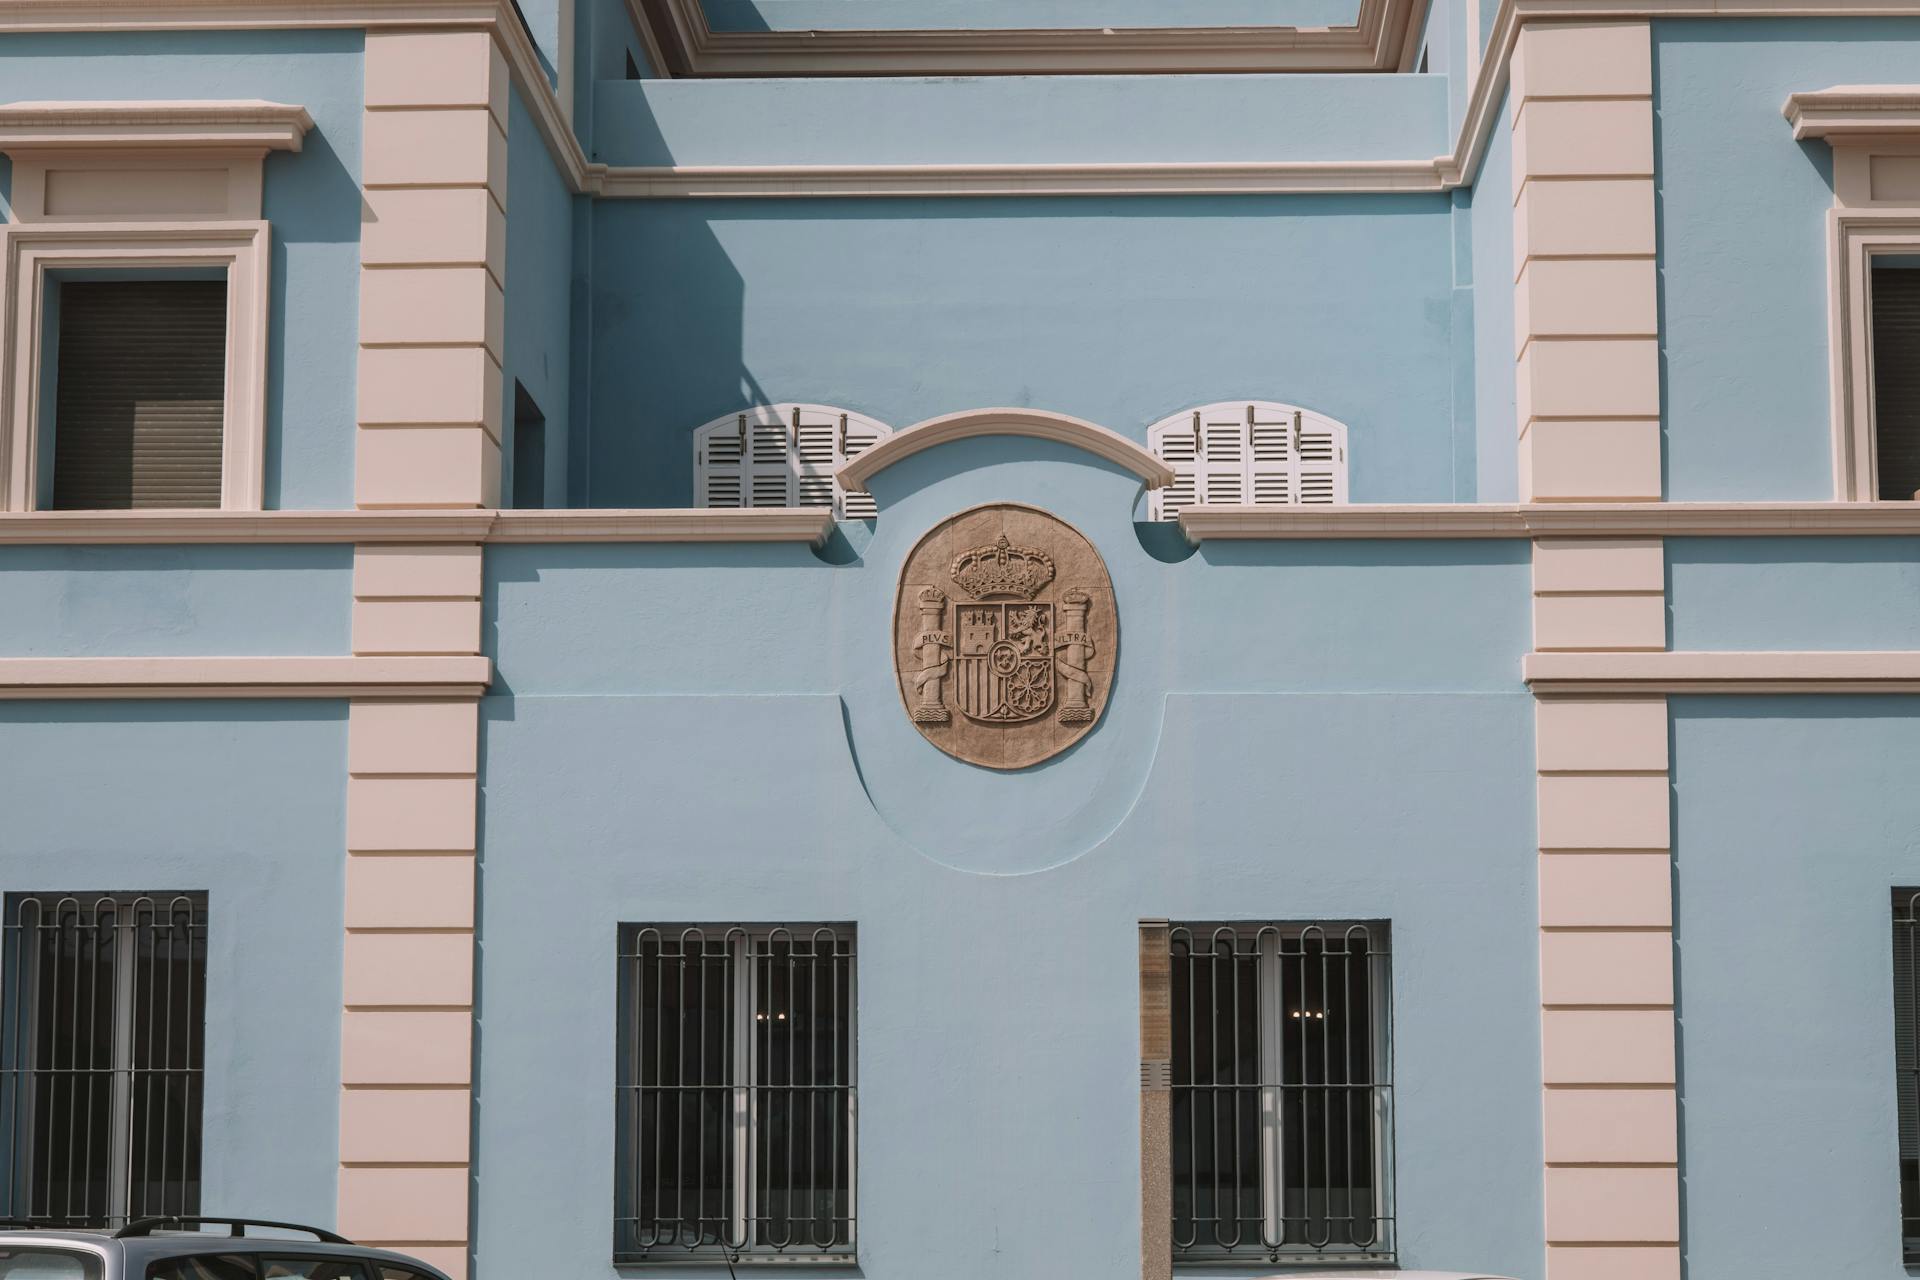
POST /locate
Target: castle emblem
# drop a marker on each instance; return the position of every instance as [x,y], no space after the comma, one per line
[1005,659]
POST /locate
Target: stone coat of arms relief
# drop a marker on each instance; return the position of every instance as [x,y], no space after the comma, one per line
[1005,636]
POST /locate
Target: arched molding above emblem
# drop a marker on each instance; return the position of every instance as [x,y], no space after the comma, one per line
[1035,423]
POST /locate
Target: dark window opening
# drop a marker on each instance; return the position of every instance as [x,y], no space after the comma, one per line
[736,1090]
[1906,1052]
[1896,381]
[139,399]
[529,451]
[102,1055]
[1282,1106]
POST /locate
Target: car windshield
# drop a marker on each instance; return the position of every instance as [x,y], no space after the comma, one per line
[20,1263]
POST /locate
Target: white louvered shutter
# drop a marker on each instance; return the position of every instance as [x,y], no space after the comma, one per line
[1256,453]
[784,455]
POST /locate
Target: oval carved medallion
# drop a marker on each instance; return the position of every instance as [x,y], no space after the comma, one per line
[1004,635]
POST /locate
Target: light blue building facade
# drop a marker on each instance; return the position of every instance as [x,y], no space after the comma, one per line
[480,767]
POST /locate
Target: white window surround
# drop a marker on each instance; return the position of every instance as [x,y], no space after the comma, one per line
[1874,131]
[784,455]
[1248,453]
[138,186]
[30,251]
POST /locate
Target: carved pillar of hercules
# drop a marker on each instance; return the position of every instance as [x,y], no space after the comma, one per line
[933,642]
[1074,650]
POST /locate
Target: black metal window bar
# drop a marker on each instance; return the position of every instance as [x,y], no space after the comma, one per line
[102,1055]
[1906,1050]
[737,1106]
[1282,1126]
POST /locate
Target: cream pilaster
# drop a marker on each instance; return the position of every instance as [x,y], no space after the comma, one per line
[1587,345]
[433,250]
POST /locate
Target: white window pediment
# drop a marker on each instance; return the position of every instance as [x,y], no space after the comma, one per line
[1248,452]
[784,455]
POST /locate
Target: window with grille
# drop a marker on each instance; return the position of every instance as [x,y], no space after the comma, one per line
[783,455]
[1896,380]
[102,1055]
[736,1082]
[139,399]
[1282,1093]
[1906,1034]
[1253,453]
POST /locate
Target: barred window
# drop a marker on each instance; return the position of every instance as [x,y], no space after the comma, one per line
[1906,1035]
[1282,1095]
[736,1109]
[102,1055]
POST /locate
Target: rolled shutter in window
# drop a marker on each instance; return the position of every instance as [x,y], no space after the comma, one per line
[139,405]
[1896,381]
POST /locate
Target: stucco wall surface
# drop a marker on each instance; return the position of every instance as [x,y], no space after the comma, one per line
[1794,819]
[1021,119]
[311,196]
[181,601]
[246,801]
[1794,593]
[539,298]
[1120,311]
[1294,731]
[1495,425]
[1743,246]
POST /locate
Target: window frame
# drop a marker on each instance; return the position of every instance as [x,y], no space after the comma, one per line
[739,941]
[1268,939]
[30,254]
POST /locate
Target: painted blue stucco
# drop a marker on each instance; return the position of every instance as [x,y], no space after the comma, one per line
[1742,216]
[245,801]
[539,298]
[1794,818]
[1794,593]
[312,198]
[837,15]
[179,601]
[1121,311]
[1495,418]
[715,733]
[1021,119]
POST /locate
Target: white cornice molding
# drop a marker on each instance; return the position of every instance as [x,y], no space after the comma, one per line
[1179,178]
[1692,672]
[1034,423]
[582,176]
[1383,37]
[806,525]
[327,677]
[1847,112]
[1554,520]
[241,125]
[811,525]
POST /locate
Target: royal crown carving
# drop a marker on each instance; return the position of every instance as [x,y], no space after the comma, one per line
[1002,569]
[1016,666]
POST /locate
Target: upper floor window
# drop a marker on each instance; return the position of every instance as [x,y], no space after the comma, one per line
[783,455]
[102,1056]
[1248,452]
[1906,1054]
[134,282]
[1282,1092]
[736,1093]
